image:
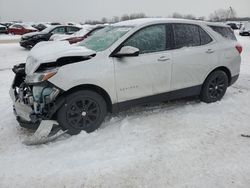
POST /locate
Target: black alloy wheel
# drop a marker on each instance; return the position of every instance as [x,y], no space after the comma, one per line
[83,110]
[215,86]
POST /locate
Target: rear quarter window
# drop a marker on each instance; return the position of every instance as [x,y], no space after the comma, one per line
[226,32]
[188,35]
[205,38]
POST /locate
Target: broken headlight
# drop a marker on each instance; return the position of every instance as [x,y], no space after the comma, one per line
[40,76]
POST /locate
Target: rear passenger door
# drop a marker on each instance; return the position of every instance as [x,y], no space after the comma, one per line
[194,56]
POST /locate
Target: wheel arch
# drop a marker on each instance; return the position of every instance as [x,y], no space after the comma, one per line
[94,88]
[222,68]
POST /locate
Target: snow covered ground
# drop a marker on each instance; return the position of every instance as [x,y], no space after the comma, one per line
[9,37]
[179,144]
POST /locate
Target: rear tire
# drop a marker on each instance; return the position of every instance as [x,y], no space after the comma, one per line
[83,110]
[214,87]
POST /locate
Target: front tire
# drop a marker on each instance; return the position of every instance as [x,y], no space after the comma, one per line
[214,87]
[83,110]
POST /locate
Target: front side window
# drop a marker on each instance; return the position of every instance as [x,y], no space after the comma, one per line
[149,39]
[104,38]
[186,35]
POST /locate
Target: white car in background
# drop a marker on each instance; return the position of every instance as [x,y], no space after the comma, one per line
[127,64]
[85,29]
[245,29]
[78,36]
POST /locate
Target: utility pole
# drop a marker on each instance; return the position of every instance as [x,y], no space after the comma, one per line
[231,13]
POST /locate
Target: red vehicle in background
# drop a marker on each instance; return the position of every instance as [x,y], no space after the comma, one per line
[20,29]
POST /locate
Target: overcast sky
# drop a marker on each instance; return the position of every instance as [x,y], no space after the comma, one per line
[81,10]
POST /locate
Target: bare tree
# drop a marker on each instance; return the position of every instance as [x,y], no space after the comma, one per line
[177,15]
[189,16]
[125,17]
[136,16]
[223,14]
[115,19]
[104,20]
[202,18]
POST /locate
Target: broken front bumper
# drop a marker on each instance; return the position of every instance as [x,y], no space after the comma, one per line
[33,103]
[20,109]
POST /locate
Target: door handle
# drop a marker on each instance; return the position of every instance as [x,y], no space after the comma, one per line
[210,51]
[163,58]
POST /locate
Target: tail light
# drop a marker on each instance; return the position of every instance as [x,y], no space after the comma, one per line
[239,48]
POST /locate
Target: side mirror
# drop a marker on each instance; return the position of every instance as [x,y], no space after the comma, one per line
[127,51]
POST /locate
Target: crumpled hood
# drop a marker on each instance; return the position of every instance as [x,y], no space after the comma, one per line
[46,52]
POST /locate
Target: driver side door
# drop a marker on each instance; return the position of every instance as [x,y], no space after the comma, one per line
[149,73]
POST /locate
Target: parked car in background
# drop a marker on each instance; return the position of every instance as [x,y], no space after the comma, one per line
[123,65]
[55,23]
[31,39]
[41,26]
[79,35]
[3,29]
[224,31]
[245,29]
[234,26]
[239,25]
[21,29]
[6,24]
[73,24]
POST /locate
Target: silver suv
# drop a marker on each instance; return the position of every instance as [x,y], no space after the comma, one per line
[126,64]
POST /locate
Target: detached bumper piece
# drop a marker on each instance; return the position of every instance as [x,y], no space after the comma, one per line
[47,131]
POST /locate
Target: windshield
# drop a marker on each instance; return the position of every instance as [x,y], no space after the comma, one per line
[104,38]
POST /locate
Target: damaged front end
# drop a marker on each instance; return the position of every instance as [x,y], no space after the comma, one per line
[35,102]
[33,96]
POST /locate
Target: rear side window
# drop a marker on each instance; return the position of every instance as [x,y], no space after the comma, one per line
[72,29]
[149,39]
[186,35]
[226,32]
[58,30]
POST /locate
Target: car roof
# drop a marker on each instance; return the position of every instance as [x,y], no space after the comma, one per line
[218,24]
[148,21]
[143,21]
